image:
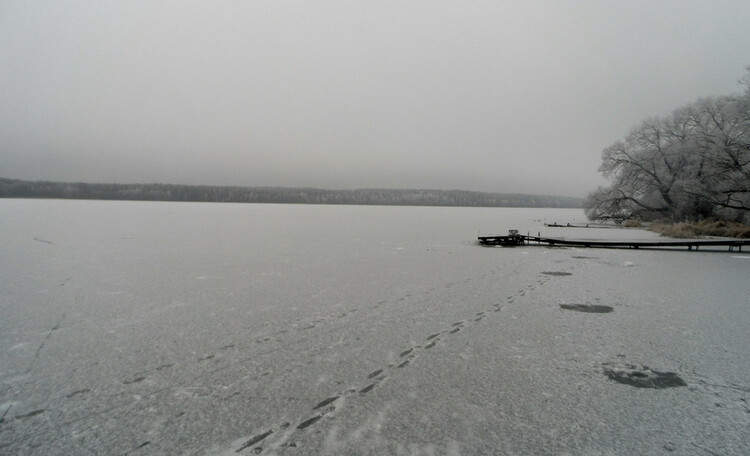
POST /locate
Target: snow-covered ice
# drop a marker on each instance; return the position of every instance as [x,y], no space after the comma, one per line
[210,329]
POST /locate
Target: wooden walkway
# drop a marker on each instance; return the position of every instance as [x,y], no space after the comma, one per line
[513,240]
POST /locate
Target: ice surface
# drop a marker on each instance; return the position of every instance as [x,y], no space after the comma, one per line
[208,329]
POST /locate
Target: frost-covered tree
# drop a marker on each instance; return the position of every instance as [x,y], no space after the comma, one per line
[692,164]
[723,153]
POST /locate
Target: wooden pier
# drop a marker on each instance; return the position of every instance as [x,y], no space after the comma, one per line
[515,239]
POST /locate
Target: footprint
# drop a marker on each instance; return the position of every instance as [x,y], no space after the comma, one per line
[254,440]
[432,336]
[325,402]
[404,363]
[556,273]
[30,414]
[309,422]
[430,345]
[367,388]
[77,392]
[375,374]
[405,352]
[454,330]
[458,323]
[135,380]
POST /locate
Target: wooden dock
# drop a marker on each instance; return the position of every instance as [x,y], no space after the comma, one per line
[521,239]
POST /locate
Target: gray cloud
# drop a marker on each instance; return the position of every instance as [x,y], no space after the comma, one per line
[490,96]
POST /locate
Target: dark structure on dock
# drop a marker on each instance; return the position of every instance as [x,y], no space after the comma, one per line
[514,239]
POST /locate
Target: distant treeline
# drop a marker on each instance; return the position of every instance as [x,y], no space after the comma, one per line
[12,188]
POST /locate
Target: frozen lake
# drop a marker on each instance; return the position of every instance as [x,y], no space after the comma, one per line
[148,328]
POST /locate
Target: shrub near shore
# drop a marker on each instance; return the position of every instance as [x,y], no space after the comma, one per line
[702,228]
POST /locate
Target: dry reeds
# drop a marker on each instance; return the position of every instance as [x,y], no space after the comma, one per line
[702,228]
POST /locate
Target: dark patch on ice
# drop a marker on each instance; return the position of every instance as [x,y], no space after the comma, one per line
[403,364]
[367,388]
[556,273]
[43,240]
[430,345]
[375,374]
[589,308]
[30,414]
[146,443]
[205,358]
[454,330]
[642,376]
[325,402]
[135,380]
[432,336]
[581,257]
[405,352]
[309,422]
[77,392]
[254,440]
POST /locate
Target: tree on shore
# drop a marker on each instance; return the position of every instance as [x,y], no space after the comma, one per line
[693,164]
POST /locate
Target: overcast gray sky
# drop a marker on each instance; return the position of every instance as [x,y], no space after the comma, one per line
[477,95]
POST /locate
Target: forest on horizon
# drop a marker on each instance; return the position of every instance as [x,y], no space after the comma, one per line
[14,188]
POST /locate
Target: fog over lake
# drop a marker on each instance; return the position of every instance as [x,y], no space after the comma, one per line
[490,96]
[209,329]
